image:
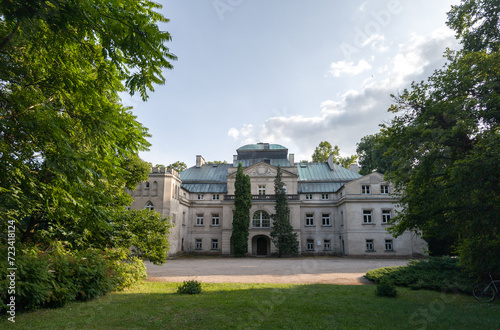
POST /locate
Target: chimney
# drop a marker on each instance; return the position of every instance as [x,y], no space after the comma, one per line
[200,161]
[354,167]
[291,159]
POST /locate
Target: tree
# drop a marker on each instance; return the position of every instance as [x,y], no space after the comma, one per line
[282,234]
[241,217]
[372,155]
[216,162]
[325,149]
[68,148]
[445,144]
[177,166]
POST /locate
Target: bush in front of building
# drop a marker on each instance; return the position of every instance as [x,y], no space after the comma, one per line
[56,276]
[189,287]
[437,273]
[386,288]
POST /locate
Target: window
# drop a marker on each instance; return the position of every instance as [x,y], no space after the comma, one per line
[341,218]
[262,190]
[149,206]
[310,245]
[309,196]
[310,219]
[365,190]
[327,244]
[325,218]
[199,219]
[369,245]
[261,220]
[388,245]
[215,244]
[215,197]
[367,216]
[384,189]
[146,186]
[386,216]
[215,219]
[325,196]
[155,188]
[198,244]
[200,196]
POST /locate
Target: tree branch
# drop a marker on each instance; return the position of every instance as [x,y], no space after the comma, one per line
[9,37]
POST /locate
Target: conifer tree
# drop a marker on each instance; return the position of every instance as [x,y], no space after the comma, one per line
[282,234]
[241,218]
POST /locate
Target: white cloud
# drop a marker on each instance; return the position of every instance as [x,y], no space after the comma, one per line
[344,67]
[234,133]
[356,112]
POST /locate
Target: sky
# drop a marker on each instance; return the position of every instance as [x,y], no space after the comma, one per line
[289,72]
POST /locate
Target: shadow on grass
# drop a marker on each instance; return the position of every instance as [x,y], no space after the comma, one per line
[157,305]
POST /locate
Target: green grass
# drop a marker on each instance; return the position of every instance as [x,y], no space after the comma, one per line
[157,305]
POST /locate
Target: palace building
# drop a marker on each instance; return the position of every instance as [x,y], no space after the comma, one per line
[334,210]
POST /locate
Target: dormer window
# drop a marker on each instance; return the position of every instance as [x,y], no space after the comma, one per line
[384,189]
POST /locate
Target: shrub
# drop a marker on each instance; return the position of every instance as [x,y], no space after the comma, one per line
[189,287]
[53,277]
[386,288]
[438,273]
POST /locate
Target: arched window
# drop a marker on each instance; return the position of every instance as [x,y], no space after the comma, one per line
[150,206]
[261,220]
[155,189]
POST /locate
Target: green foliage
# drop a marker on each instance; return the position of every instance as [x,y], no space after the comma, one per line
[241,217]
[325,149]
[386,288]
[189,287]
[144,232]
[69,148]
[372,155]
[56,276]
[282,234]
[177,166]
[438,273]
[216,162]
[448,173]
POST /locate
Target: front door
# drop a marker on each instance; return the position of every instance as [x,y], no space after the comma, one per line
[261,246]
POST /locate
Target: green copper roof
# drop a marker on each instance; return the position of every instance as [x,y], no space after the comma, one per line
[318,187]
[220,188]
[322,172]
[205,174]
[262,146]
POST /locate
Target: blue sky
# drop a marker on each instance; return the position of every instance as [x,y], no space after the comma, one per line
[286,71]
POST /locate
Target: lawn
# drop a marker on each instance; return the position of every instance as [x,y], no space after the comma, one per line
[319,306]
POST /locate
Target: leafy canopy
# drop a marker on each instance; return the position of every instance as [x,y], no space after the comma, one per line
[68,147]
[325,149]
[445,143]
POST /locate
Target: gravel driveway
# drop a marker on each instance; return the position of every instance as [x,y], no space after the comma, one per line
[304,270]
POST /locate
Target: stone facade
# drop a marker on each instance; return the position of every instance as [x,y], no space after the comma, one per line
[334,211]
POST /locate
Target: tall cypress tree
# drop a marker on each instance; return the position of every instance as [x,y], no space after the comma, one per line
[282,234]
[241,218]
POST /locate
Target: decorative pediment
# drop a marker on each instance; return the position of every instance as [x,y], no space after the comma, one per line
[263,170]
